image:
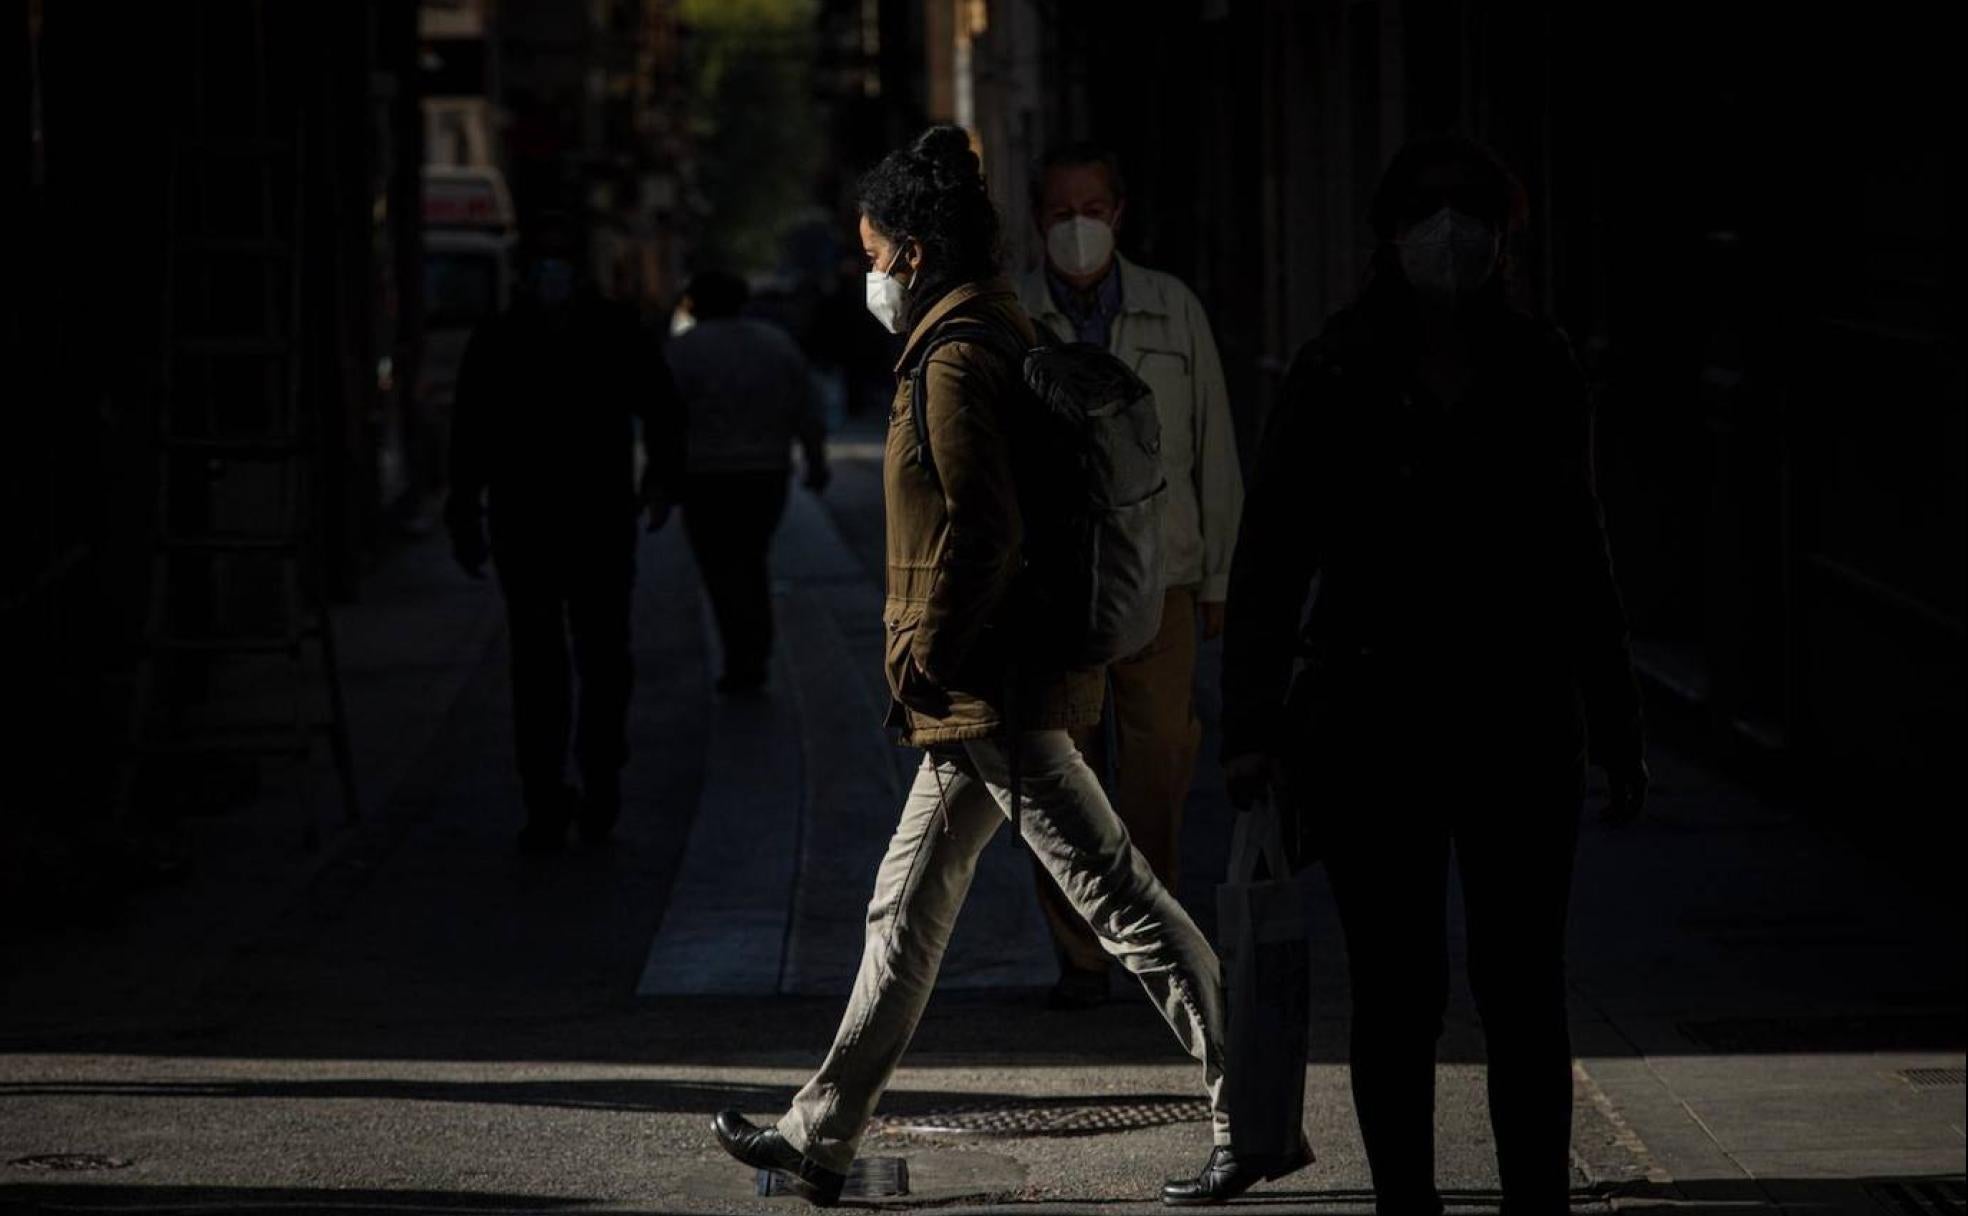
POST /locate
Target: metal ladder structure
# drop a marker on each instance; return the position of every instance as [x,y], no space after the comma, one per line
[237,588]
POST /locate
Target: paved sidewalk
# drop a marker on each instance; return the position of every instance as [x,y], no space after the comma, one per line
[420,632]
[416,1019]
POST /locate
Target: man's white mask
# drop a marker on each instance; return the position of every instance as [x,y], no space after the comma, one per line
[1081,245]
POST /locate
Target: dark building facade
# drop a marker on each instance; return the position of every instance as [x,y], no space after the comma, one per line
[1744,223]
[144,218]
[589,115]
[1741,222]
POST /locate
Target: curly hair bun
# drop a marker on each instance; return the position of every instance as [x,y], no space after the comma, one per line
[933,191]
[946,150]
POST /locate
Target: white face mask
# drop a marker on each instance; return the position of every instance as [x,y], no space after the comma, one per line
[1449,255]
[886,294]
[1081,245]
[681,323]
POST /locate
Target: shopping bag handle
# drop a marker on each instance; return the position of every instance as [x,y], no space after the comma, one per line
[1258,834]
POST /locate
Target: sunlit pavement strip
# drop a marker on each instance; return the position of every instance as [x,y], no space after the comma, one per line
[524,1135]
[521,1135]
[1777,1119]
[800,794]
[725,929]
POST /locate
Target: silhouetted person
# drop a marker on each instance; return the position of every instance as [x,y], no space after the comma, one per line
[1430,460]
[543,448]
[956,649]
[748,394]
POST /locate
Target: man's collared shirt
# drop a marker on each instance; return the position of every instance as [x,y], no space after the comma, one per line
[1090,310]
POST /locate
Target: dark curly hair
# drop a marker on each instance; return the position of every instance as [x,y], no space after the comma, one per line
[933,191]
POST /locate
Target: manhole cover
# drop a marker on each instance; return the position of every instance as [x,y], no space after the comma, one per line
[1046,1118]
[867,1178]
[1934,1078]
[69,1162]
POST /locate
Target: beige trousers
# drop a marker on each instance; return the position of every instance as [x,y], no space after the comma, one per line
[960,796]
[1156,734]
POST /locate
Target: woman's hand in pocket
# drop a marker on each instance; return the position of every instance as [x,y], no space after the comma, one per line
[919,692]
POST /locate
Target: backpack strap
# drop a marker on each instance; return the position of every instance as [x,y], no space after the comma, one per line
[960,329]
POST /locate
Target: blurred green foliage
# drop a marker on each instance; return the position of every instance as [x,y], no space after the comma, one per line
[749,68]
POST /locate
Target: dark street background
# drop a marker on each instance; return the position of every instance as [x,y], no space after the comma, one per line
[322,983]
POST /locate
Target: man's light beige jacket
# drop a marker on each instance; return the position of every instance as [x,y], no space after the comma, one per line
[1164,336]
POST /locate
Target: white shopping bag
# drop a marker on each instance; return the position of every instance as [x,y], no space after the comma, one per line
[1267,985]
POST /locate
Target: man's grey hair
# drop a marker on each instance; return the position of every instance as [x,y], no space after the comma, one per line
[1074,155]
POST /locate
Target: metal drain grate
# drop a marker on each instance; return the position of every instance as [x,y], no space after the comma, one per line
[1080,1118]
[70,1163]
[1934,1078]
[867,1178]
[1933,1197]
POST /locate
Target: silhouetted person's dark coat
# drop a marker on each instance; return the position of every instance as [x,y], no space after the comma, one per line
[544,434]
[1466,631]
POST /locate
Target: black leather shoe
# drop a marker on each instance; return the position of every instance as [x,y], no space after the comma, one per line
[1227,1175]
[765,1149]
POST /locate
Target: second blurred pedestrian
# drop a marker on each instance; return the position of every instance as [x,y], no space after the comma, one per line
[748,394]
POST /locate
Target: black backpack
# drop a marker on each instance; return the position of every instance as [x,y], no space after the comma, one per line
[1087,455]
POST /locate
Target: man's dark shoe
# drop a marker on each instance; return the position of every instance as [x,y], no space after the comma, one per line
[1228,1174]
[765,1149]
[548,812]
[601,805]
[1077,990]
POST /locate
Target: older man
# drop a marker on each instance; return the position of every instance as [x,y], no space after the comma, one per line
[1087,292]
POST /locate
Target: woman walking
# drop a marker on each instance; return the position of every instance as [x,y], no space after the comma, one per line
[954,537]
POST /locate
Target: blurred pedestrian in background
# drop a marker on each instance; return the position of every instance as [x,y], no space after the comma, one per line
[748,395]
[543,450]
